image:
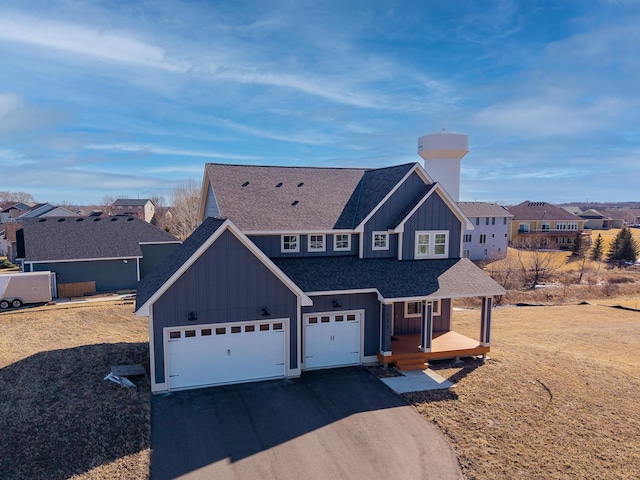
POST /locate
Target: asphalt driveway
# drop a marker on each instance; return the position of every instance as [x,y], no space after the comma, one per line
[330,424]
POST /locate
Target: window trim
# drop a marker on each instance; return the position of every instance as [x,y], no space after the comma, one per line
[431,244]
[335,242]
[435,312]
[373,240]
[289,250]
[323,248]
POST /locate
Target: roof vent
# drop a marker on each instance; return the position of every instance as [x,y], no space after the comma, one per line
[42,220]
[295,202]
[300,184]
[79,219]
[279,185]
[245,184]
[113,219]
[61,220]
[97,219]
[130,219]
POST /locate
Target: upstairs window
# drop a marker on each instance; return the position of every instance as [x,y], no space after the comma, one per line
[477,220]
[573,226]
[561,225]
[467,238]
[341,242]
[317,243]
[483,238]
[523,228]
[434,244]
[380,241]
[546,227]
[290,244]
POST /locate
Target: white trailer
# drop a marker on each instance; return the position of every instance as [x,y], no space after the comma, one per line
[17,289]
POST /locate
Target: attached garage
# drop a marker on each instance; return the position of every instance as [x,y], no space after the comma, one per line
[332,339]
[219,354]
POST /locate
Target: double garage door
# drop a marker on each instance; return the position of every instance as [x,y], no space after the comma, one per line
[222,354]
[332,339]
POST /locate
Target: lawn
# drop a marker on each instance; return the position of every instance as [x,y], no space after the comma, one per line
[558,398]
[58,418]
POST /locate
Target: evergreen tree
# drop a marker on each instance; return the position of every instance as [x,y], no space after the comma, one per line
[598,249]
[624,247]
[579,246]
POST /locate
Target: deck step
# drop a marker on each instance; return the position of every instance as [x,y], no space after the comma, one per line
[403,367]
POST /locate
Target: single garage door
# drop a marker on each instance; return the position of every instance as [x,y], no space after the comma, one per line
[221,354]
[332,339]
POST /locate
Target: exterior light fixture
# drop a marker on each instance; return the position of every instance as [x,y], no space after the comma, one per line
[192,317]
[265,312]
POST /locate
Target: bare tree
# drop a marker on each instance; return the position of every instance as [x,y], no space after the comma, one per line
[159,203]
[185,201]
[536,262]
[107,204]
[505,272]
[9,198]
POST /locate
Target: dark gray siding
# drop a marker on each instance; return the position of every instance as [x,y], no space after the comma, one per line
[408,325]
[388,213]
[355,301]
[153,255]
[109,275]
[442,322]
[228,283]
[271,246]
[433,214]
[211,208]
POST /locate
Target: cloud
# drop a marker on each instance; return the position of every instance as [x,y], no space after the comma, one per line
[18,118]
[159,150]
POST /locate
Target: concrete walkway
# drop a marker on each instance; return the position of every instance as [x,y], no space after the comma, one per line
[417,381]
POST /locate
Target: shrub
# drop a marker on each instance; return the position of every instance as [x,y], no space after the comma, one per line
[621,279]
[4,263]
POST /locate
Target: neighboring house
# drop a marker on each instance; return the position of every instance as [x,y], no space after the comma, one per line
[94,253]
[10,233]
[619,216]
[296,269]
[490,237]
[594,220]
[10,213]
[141,208]
[634,216]
[544,225]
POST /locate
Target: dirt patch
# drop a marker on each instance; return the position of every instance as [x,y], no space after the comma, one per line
[557,399]
[58,418]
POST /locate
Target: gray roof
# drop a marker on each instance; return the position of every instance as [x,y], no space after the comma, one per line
[483,209]
[392,278]
[540,211]
[131,201]
[259,198]
[64,238]
[152,282]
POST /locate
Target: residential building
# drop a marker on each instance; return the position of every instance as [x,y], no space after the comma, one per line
[489,237]
[140,208]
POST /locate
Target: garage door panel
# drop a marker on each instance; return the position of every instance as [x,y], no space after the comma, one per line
[332,340]
[229,354]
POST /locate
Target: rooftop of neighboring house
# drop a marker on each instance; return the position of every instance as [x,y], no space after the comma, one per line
[134,202]
[261,198]
[66,238]
[573,209]
[484,209]
[618,213]
[533,211]
[592,214]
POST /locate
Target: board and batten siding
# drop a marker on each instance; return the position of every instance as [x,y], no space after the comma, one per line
[433,214]
[153,255]
[211,208]
[228,283]
[109,275]
[409,325]
[271,246]
[388,213]
[355,301]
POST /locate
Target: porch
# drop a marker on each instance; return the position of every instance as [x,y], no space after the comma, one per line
[406,353]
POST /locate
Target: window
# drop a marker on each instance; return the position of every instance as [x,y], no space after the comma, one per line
[236,329]
[380,241]
[174,334]
[466,253]
[205,332]
[523,228]
[190,333]
[504,221]
[573,226]
[546,227]
[467,238]
[432,244]
[486,252]
[412,309]
[290,244]
[561,225]
[477,220]
[317,243]
[341,242]
[493,220]
[249,328]
[483,238]
[486,221]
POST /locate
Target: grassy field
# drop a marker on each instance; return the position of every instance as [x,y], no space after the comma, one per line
[558,398]
[58,418]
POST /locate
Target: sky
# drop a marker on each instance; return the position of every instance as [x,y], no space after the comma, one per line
[131,98]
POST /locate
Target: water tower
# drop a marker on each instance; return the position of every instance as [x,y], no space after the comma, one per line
[442,153]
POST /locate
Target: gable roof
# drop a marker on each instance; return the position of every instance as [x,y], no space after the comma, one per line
[540,211]
[271,198]
[484,209]
[60,239]
[391,278]
[157,282]
[131,201]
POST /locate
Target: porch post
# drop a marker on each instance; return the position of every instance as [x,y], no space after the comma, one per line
[385,343]
[485,322]
[426,327]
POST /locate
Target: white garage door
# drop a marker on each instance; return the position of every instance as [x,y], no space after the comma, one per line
[222,354]
[332,339]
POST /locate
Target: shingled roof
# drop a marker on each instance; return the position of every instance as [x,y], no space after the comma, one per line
[390,277]
[63,238]
[259,198]
[540,211]
[484,209]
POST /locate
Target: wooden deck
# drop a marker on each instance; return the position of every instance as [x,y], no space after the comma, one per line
[406,354]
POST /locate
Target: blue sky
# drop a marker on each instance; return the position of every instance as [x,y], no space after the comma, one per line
[129,98]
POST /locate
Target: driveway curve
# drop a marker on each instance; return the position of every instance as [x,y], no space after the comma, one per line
[329,424]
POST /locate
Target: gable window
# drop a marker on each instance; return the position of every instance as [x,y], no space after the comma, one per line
[317,243]
[380,241]
[341,242]
[483,238]
[434,244]
[467,238]
[290,244]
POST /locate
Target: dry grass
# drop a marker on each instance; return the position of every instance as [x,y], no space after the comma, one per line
[58,418]
[558,399]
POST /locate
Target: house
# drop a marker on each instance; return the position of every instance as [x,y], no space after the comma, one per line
[11,212]
[141,208]
[302,268]
[544,225]
[94,254]
[594,220]
[10,232]
[490,237]
[620,216]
